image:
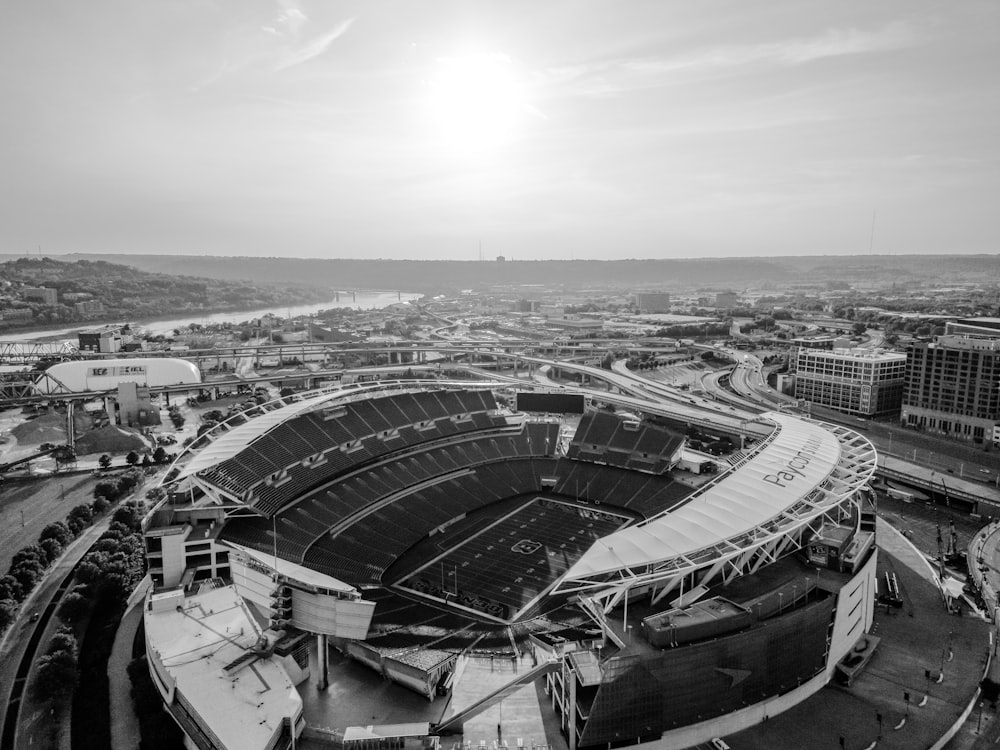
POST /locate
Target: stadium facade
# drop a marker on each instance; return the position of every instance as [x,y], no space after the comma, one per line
[411,525]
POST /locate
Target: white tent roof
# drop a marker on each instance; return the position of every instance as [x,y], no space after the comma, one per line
[230,443]
[800,456]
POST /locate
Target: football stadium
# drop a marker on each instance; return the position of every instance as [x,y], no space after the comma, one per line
[456,541]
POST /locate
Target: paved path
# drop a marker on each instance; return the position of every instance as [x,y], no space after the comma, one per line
[13,644]
[124,723]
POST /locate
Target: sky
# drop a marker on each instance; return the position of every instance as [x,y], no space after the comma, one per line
[561,129]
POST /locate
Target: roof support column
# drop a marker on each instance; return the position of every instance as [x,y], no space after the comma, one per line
[322,662]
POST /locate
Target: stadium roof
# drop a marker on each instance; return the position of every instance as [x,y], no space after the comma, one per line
[294,571]
[750,502]
[228,444]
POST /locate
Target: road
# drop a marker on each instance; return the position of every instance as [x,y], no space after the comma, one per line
[20,636]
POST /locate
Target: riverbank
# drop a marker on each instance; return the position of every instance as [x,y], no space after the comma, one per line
[365,300]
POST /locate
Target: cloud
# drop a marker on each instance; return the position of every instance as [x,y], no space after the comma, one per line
[314,47]
[290,17]
[624,74]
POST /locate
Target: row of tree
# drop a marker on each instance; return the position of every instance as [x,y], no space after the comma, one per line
[29,563]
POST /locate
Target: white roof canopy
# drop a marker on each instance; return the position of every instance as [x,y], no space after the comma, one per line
[799,457]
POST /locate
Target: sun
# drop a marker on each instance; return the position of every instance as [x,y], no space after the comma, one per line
[474,101]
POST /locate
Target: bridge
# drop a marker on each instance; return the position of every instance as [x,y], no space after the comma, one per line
[978,497]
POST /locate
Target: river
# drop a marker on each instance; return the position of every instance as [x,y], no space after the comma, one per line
[363,300]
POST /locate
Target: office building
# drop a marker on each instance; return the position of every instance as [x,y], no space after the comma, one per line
[953,387]
[652,302]
[981,328]
[42,294]
[864,382]
[106,339]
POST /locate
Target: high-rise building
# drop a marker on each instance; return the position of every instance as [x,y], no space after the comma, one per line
[865,382]
[953,387]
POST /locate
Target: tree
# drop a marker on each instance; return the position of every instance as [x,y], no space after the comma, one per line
[146,461]
[104,462]
[160,455]
[130,515]
[64,455]
[108,490]
[10,588]
[858,329]
[56,671]
[52,549]
[30,554]
[132,458]
[79,518]
[27,574]
[8,609]
[177,419]
[58,531]
[75,605]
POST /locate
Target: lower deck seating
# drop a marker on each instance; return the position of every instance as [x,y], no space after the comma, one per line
[360,553]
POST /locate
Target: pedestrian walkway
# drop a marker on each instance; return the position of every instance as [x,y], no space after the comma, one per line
[519,716]
[124,723]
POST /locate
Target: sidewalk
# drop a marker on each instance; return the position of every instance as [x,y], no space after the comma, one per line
[124,723]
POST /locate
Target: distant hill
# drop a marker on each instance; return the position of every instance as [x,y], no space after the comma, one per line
[443,275]
[437,275]
[127,292]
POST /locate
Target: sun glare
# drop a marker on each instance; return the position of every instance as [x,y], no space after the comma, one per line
[474,101]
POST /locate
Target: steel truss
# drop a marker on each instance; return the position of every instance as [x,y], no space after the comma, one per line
[829,502]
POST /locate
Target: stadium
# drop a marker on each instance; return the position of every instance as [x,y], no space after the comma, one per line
[657,592]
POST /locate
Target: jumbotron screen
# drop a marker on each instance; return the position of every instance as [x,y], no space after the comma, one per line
[552,403]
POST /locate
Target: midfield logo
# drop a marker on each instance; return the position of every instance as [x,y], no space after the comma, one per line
[526,547]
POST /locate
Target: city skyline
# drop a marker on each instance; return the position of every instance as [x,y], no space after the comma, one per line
[556,131]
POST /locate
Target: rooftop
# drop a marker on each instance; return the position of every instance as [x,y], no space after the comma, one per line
[205,643]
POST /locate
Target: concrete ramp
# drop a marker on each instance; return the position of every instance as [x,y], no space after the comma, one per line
[454,722]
